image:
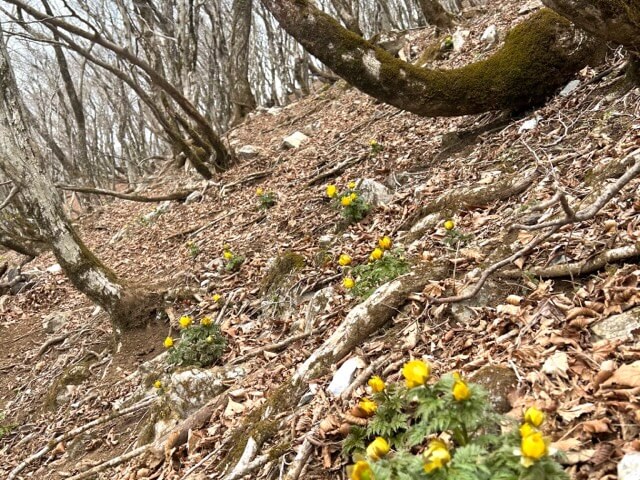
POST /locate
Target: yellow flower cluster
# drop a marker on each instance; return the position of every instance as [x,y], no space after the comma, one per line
[348,199]
[157,384]
[377,254]
[344,260]
[361,471]
[533,445]
[385,243]
[185,321]
[378,448]
[216,297]
[332,191]
[416,373]
[227,254]
[348,283]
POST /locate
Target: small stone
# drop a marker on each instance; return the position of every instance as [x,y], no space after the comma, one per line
[569,88]
[248,152]
[275,111]
[343,377]
[459,39]
[499,381]
[317,306]
[629,467]
[621,326]
[54,322]
[529,124]
[375,193]
[193,197]
[326,240]
[295,140]
[490,35]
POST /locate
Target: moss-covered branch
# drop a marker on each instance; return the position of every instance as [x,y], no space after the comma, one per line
[538,56]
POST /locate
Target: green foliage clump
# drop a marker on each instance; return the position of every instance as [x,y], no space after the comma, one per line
[370,276]
[233,261]
[376,147]
[354,207]
[445,431]
[266,200]
[200,345]
[192,248]
[284,265]
[5,429]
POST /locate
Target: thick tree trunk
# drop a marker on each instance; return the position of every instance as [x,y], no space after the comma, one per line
[617,21]
[37,199]
[435,14]
[242,98]
[539,56]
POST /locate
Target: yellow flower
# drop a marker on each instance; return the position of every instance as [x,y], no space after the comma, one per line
[526,429]
[360,471]
[332,191]
[373,142]
[206,321]
[378,448]
[449,225]
[534,416]
[348,283]
[376,384]
[346,201]
[353,196]
[385,243]
[216,297]
[368,407]
[227,255]
[416,373]
[157,384]
[185,321]
[351,185]
[461,391]
[168,342]
[259,191]
[436,455]
[533,447]
[209,339]
[377,254]
[344,260]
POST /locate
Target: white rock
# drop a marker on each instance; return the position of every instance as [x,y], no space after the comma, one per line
[343,377]
[619,326]
[529,124]
[294,140]
[248,152]
[317,306]
[275,111]
[193,197]
[325,240]
[629,467]
[54,322]
[374,193]
[459,39]
[55,269]
[569,88]
[530,7]
[490,35]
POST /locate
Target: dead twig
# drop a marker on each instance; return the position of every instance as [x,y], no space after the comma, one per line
[113,462]
[12,193]
[52,341]
[127,196]
[270,347]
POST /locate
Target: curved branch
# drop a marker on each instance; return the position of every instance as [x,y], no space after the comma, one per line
[127,196]
[538,56]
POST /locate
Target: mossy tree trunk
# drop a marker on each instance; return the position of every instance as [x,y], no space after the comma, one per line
[539,56]
[38,201]
[616,21]
[435,14]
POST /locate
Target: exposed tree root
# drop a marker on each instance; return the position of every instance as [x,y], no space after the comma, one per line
[126,196]
[113,462]
[577,269]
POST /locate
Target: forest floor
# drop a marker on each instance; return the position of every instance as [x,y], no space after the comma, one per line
[541,329]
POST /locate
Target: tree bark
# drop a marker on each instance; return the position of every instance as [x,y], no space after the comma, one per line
[539,56]
[616,21]
[37,199]
[242,99]
[435,14]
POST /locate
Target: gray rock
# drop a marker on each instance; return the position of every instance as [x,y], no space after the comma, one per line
[621,326]
[490,35]
[530,7]
[295,140]
[317,306]
[569,88]
[54,322]
[248,152]
[629,467]
[374,193]
[326,240]
[459,39]
[55,269]
[193,197]
[160,209]
[499,381]
[344,375]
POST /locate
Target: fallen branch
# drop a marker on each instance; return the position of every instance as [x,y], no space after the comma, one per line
[113,462]
[576,269]
[250,467]
[268,348]
[334,171]
[252,177]
[126,196]
[51,444]
[13,191]
[52,341]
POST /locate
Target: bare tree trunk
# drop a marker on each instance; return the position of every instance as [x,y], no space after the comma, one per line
[435,14]
[37,199]
[348,15]
[242,99]
[539,56]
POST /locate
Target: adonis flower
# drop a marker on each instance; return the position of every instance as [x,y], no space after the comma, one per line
[157,384]
[259,191]
[185,321]
[227,254]
[436,456]
[416,373]
[206,321]
[378,448]
[360,471]
[461,391]
[332,191]
[532,447]
[216,297]
[168,342]
[533,416]
[344,260]
[376,384]
[348,283]
[385,243]
[346,201]
[351,185]
[377,254]
[367,407]
[449,225]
